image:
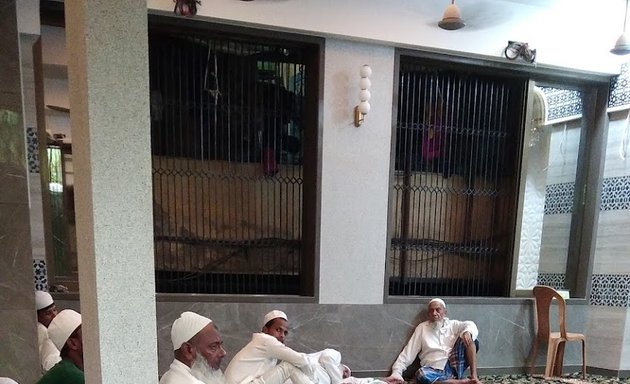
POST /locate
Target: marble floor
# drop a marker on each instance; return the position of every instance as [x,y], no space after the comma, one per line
[568,379]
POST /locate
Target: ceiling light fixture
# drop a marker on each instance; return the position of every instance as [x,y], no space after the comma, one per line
[622,46]
[452,18]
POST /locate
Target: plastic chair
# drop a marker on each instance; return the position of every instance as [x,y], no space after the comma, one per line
[555,340]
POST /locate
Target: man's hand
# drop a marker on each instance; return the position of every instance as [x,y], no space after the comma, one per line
[393,380]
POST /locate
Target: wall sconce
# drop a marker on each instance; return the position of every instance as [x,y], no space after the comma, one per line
[364,106]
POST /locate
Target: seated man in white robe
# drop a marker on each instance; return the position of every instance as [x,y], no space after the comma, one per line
[258,361]
[446,349]
[46,312]
[198,352]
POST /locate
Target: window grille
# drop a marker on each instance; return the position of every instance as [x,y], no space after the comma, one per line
[453,196]
[228,143]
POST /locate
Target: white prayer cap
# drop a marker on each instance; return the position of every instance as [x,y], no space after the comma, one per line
[62,326]
[274,315]
[186,326]
[7,380]
[437,300]
[43,299]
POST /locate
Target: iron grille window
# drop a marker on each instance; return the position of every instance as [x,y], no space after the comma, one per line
[454,189]
[228,143]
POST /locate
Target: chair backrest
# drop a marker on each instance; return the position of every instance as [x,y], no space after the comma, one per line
[544,295]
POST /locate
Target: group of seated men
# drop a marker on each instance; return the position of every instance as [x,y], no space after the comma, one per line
[446,348]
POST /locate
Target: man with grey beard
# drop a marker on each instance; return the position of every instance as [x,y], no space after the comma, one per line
[445,347]
[198,352]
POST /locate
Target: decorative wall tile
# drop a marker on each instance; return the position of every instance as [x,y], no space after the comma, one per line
[554,280]
[620,89]
[615,193]
[533,216]
[610,290]
[32,150]
[559,198]
[562,103]
[40,275]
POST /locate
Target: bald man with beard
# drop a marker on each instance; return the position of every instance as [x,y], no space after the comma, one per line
[445,347]
[198,351]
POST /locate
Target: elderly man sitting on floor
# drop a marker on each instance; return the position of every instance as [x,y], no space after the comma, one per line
[445,347]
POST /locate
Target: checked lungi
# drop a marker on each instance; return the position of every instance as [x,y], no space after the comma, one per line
[455,367]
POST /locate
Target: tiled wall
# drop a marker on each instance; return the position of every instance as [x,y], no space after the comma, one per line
[562,104]
[608,329]
[611,279]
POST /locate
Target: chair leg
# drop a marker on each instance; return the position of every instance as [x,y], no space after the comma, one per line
[558,363]
[552,348]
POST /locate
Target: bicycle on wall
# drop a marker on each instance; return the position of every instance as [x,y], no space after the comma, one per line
[516,49]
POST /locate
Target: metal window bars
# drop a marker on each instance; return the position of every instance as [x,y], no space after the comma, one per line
[227,134]
[453,189]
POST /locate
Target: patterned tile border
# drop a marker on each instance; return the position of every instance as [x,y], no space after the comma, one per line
[606,290]
[554,280]
[565,104]
[615,193]
[620,88]
[40,275]
[610,290]
[32,150]
[559,198]
[615,196]
[562,103]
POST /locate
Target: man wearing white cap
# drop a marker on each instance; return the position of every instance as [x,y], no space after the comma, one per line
[257,362]
[198,352]
[65,332]
[445,347]
[46,311]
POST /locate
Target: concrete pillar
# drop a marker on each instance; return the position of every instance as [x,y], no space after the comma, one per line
[109,102]
[18,337]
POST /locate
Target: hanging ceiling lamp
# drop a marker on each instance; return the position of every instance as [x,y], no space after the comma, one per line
[622,46]
[452,18]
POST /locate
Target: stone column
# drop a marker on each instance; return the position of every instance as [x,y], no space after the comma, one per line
[18,337]
[109,102]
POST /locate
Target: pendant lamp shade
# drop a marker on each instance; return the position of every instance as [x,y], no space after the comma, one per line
[452,18]
[622,46]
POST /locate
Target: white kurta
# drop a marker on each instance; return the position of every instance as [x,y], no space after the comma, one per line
[48,353]
[432,346]
[326,366]
[258,356]
[179,373]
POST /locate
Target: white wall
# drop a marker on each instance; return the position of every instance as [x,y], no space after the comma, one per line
[355,175]
[566,33]
[28,16]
